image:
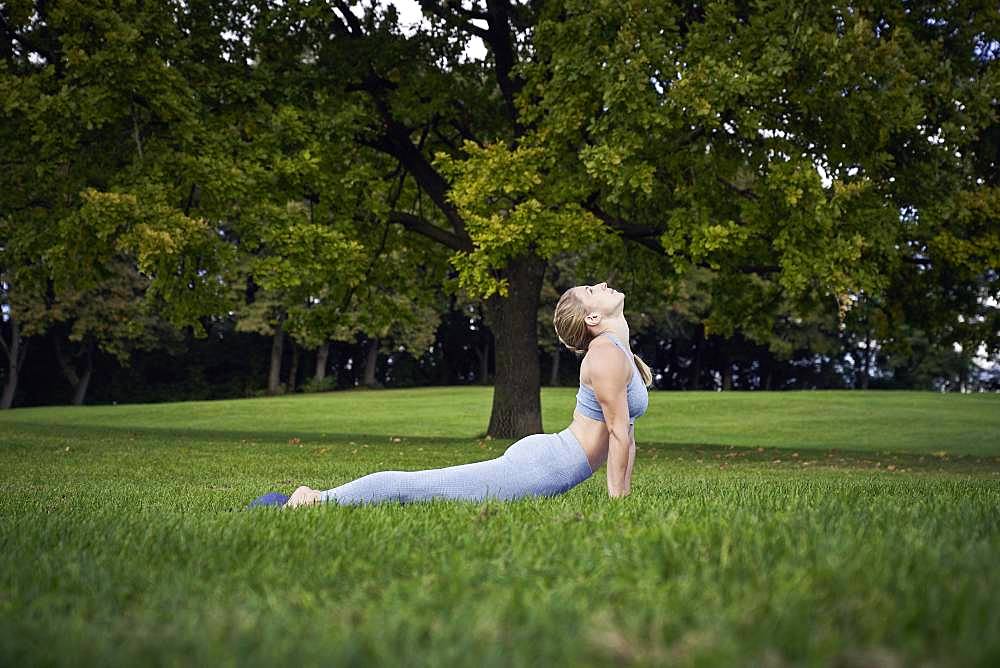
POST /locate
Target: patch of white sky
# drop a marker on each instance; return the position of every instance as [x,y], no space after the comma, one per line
[411,18]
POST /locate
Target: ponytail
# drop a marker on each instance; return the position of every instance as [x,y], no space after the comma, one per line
[644,370]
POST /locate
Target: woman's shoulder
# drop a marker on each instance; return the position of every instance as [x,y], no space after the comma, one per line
[598,349]
[603,355]
[605,343]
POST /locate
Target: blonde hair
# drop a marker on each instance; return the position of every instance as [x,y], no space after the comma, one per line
[571,328]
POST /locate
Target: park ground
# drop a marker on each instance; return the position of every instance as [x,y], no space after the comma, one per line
[796,528]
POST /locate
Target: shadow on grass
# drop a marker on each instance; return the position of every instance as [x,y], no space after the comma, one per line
[239,436]
[785,458]
[720,455]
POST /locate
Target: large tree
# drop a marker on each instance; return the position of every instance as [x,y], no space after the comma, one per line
[766,141]
[806,155]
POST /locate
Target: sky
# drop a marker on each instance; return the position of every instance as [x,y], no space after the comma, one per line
[410,14]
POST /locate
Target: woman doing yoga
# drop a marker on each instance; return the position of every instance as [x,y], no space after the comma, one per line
[588,320]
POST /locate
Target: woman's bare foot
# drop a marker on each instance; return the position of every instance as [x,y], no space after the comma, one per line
[303,496]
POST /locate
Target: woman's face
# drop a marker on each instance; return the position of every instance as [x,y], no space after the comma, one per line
[600,298]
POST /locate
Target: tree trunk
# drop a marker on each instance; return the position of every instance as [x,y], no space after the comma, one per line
[277,345]
[484,363]
[322,354]
[371,357]
[867,365]
[16,352]
[554,376]
[9,387]
[83,379]
[79,381]
[727,373]
[514,321]
[695,382]
[81,389]
[293,371]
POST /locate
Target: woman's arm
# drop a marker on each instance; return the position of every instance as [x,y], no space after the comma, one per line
[619,469]
[620,473]
[631,454]
[609,378]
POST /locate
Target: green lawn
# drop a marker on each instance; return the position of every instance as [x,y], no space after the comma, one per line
[811,528]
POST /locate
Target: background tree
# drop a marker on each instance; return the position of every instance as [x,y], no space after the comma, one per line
[78,92]
[113,317]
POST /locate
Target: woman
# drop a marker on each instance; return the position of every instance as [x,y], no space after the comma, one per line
[588,320]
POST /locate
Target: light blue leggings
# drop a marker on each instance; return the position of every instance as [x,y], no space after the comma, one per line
[536,465]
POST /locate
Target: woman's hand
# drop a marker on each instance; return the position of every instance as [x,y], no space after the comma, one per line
[303,496]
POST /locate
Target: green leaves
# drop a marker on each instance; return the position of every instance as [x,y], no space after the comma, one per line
[182,257]
[711,128]
[300,256]
[512,203]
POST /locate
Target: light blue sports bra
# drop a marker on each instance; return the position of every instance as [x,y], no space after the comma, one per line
[636,392]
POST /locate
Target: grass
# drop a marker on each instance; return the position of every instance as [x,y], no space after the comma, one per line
[813,528]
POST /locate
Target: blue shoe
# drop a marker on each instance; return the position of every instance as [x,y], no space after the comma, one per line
[269,499]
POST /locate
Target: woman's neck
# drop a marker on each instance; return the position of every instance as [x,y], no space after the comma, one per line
[617,327]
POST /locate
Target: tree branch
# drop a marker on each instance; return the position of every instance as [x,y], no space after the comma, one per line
[421,226]
[64,363]
[467,13]
[355,25]
[501,40]
[135,130]
[434,7]
[396,141]
[461,126]
[648,236]
[373,84]
[444,140]
[3,345]
[498,37]
[43,40]
[634,232]
[191,198]
[23,354]
[742,192]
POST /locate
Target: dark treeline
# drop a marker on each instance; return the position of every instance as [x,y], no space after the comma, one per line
[233,364]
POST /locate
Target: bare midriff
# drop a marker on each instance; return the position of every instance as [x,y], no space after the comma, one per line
[593,436]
